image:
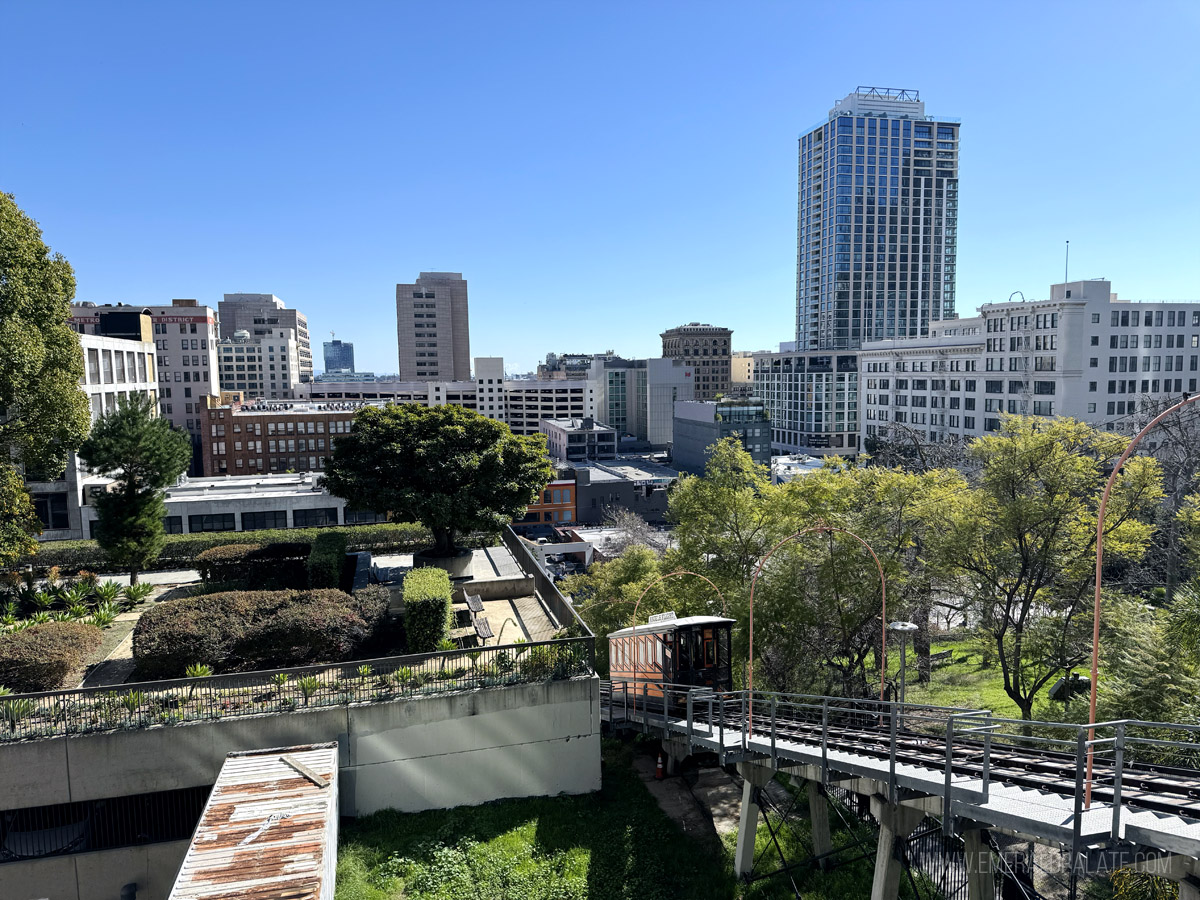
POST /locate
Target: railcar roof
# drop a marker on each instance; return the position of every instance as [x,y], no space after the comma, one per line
[671,625]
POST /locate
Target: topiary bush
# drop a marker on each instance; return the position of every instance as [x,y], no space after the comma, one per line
[279,566]
[326,560]
[371,603]
[40,658]
[241,631]
[428,616]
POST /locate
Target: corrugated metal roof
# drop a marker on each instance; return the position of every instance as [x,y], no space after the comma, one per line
[269,830]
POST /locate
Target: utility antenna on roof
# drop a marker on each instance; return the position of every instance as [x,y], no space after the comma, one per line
[1067,263]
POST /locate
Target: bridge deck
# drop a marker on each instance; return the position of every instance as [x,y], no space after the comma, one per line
[1022,784]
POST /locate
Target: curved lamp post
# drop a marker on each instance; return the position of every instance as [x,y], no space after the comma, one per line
[827,529]
[1087,796]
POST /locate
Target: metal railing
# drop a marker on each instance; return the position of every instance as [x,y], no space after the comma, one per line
[966,746]
[145,704]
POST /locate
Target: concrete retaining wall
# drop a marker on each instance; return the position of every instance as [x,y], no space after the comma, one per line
[455,750]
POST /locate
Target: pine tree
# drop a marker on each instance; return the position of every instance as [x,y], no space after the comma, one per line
[144,455]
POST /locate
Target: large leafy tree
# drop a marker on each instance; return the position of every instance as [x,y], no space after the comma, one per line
[43,413]
[144,455]
[449,468]
[1023,541]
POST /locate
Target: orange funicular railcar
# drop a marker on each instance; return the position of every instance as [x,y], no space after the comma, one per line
[688,652]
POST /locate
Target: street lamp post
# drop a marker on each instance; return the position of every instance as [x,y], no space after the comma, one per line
[904,629]
[1087,796]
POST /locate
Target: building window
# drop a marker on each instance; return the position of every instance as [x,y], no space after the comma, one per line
[363,517]
[52,510]
[212,522]
[256,521]
[172,524]
[313,518]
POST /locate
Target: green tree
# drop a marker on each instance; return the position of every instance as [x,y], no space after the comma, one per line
[449,468]
[18,524]
[1023,541]
[43,413]
[819,601]
[144,455]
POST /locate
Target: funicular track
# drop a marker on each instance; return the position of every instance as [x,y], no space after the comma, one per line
[1027,778]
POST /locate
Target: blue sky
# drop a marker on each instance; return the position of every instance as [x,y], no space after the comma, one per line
[597,171]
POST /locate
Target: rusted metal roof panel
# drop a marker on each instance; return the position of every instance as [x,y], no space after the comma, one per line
[269,830]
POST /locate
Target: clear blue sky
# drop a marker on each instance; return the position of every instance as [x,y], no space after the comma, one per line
[597,171]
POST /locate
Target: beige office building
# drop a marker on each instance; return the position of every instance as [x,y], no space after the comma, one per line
[262,314]
[706,349]
[432,328]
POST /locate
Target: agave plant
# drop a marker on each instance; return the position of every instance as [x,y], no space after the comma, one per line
[13,711]
[197,670]
[309,685]
[39,618]
[42,600]
[21,625]
[133,701]
[102,618]
[401,677]
[136,593]
[61,615]
[77,610]
[77,594]
[107,592]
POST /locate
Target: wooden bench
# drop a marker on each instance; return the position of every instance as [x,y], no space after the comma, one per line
[474,604]
[938,659]
[483,628]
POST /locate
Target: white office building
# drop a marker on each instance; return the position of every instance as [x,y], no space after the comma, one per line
[1082,353]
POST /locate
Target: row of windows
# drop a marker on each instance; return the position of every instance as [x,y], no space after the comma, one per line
[255,521]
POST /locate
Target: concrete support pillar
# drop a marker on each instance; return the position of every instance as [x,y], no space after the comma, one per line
[755,777]
[977,856]
[895,823]
[818,811]
[674,752]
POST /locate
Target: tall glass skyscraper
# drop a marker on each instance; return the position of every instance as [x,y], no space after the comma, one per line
[878,221]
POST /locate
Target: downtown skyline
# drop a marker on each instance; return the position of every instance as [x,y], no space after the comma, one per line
[641,178]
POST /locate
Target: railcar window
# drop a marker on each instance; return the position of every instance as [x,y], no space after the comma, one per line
[710,652]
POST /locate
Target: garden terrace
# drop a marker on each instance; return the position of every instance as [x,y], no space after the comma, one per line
[25,717]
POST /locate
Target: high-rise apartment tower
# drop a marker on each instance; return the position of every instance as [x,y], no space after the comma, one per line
[432,328]
[878,221]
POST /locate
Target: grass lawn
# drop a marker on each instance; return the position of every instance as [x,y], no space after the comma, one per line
[616,843]
[963,682]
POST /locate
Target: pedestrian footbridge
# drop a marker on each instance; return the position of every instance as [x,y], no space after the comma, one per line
[970,769]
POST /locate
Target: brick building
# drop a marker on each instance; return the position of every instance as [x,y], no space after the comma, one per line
[249,439]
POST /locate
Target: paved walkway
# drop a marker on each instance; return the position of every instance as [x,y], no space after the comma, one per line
[171,576]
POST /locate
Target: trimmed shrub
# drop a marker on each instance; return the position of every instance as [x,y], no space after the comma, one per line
[223,564]
[180,550]
[326,560]
[371,604]
[255,567]
[240,631]
[428,616]
[42,657]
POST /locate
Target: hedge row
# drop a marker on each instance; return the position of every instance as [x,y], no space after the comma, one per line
[273,567]
[42,657]
[241,631]
[326,560]
[180,550]
[428,615]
